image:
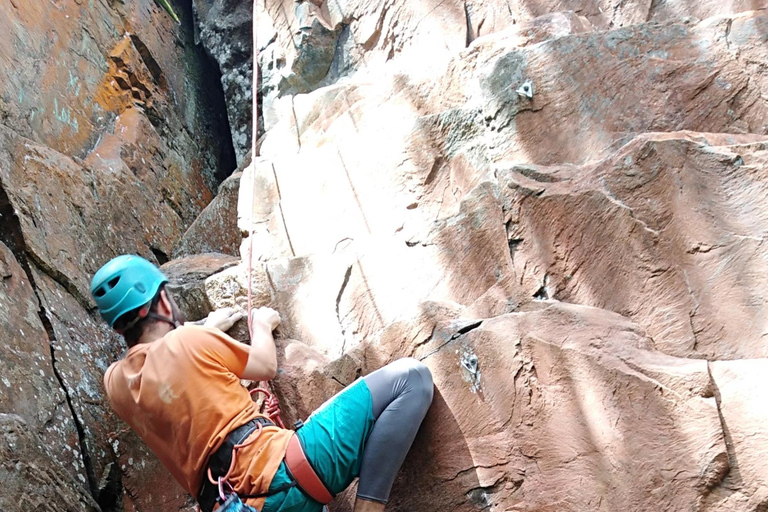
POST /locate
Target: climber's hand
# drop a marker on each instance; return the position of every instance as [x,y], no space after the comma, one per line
[223,319]
[267,317]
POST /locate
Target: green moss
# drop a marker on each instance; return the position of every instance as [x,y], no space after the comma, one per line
[169,9]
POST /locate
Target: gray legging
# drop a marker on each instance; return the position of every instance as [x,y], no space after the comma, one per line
[401,392]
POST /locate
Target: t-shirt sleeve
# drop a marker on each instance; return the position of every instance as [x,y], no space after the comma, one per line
[218,347]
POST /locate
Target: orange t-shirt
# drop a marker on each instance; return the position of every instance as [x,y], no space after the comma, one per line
[182,395]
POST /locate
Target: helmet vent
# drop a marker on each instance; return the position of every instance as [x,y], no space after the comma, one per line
[100,292]
[113,282]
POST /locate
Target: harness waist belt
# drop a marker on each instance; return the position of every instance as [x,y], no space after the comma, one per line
[299,468]
[302,471]
[221,459]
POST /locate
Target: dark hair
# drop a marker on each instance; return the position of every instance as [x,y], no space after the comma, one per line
[131,329]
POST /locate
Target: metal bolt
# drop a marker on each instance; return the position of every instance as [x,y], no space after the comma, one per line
[469,362]
[526,89]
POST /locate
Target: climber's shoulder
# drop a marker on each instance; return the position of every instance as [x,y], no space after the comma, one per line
[191,334]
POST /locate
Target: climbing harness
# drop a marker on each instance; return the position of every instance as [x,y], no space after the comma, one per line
[304,474]
[217,489]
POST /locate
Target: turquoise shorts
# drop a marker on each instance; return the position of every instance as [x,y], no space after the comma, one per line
[333,438]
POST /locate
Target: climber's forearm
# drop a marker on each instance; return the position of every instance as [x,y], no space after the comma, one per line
[262,361]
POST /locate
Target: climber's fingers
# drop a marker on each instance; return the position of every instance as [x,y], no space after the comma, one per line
[223,318]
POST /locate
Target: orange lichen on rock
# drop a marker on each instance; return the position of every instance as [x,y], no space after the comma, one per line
[127,82]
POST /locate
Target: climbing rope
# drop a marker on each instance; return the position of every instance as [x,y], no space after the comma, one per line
[271,405]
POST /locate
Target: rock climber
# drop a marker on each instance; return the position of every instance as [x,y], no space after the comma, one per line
[178,387]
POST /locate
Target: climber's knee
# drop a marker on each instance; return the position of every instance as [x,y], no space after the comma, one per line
[420,380]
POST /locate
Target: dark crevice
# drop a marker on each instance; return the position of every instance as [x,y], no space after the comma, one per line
[92,483]
[111,489]
[10,229]
[338,382]
[160,256]
[468,20]
[469,327]
[11,235]
[434,170]
[149,61]
[513,243]
[219,124]
[61,279]
[296,122]
[543,292]
[211,91]
[655,4]
[461,331]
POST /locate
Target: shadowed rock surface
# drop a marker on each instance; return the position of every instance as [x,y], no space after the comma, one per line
[110,142]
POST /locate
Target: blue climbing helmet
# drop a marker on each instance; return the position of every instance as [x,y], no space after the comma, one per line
[126,283]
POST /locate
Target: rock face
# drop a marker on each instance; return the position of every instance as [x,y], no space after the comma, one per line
[526,402]
[33,401]
[581,269]
[30,481]
[111,123]
[673,219]
[215,229]
[557,206]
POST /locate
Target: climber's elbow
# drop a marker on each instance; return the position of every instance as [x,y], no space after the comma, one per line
[262,362]
[270,370]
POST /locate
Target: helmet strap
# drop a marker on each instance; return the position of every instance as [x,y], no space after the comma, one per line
[143,313]
[173,321]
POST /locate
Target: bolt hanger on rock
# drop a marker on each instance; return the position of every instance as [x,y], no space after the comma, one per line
[526,89]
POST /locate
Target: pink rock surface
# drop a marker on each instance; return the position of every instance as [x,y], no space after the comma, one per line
[548,417]
[672,219]
[740,386]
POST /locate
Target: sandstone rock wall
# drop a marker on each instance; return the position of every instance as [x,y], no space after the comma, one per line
[582,270]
